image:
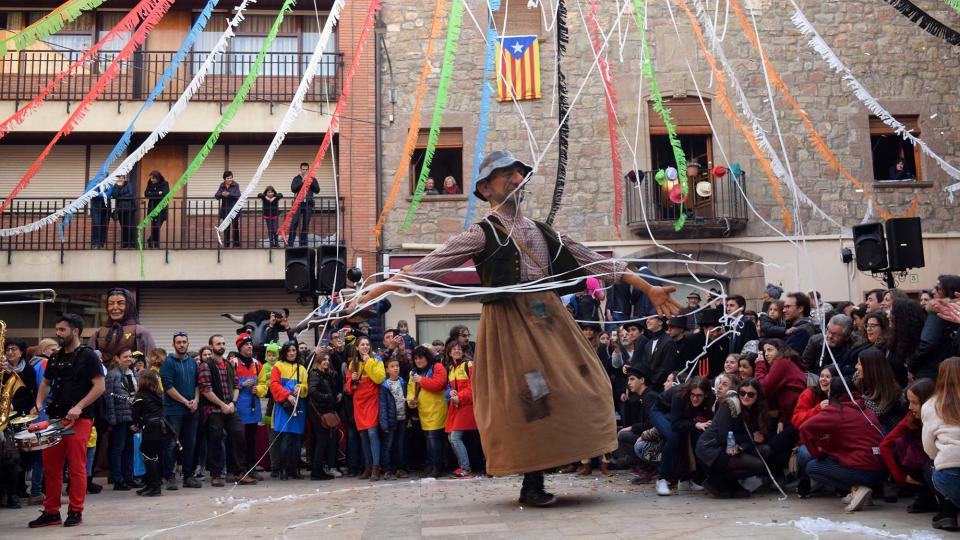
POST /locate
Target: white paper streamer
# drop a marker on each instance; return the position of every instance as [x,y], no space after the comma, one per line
[294,110]
[161,131]
[871,103]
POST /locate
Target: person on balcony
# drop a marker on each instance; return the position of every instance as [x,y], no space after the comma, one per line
[271,212]
[100,216]
[157,188]
[305,211]
[229,194]
[125,211]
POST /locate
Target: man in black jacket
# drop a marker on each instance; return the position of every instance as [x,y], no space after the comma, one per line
[305,210]
[741,328]
[636,406]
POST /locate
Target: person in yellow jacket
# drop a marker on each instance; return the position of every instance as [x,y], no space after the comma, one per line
[425,393]
[263,390]
[365,373]
[288,388]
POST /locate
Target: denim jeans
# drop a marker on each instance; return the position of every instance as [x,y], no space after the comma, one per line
[947,482]
[370,442]
[460,449]
[831,474]
[302,218]
[185,430]
[100,216]
[434,447]
[391,447]
[803,457]
[668,461]
[121,453]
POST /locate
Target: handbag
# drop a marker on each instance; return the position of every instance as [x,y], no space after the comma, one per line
[328,420]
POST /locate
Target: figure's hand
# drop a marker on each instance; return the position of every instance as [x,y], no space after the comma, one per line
[661,299]
[950,312]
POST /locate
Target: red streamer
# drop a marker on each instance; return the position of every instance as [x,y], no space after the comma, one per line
[611,103]
[372,10]
[127,24]
[99,87]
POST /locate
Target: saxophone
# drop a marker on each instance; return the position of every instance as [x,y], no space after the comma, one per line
[10,386]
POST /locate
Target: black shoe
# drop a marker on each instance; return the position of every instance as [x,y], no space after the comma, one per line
[13,502]
[73,519]
[92,488]
[143,490]
[274,473]
[945,523]
[121,486]
[804,488]
[282,475]
[538,498]
[136,483]
[45,520]
[321,476]
[922,505]
[153,492]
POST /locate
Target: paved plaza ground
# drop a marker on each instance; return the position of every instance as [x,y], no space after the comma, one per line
[479,508]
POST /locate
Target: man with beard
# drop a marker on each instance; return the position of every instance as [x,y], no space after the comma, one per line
[534,369]
[394,346]
[122,329]
[248,399]
[76,375]
[180,401]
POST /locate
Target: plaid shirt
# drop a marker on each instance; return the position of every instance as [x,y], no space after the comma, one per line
[205,383]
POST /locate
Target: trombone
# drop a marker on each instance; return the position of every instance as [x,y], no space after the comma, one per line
[44,296]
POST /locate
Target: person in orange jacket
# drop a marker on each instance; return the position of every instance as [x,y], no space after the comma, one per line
[366,372]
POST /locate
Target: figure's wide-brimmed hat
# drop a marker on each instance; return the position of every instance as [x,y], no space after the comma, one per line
[497,159]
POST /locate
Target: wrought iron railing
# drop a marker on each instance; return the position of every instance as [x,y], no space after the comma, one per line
[23,74]
[190,224]
[717,211]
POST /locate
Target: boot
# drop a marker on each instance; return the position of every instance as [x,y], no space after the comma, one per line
[585,469]
[533,493]
[375,473]
[605,469]
[366,472]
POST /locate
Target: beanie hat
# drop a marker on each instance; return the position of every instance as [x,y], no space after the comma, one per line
[273,347]
[773,291]
[243,338]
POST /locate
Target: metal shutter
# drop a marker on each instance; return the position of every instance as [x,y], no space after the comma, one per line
[60,176]
[98,153]
[209,176]
[244,160]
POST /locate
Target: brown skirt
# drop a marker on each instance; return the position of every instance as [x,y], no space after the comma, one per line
[541,397]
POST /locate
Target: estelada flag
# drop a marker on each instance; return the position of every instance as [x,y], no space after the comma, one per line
[518,67]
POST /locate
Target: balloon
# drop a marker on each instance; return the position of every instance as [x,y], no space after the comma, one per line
[671,173]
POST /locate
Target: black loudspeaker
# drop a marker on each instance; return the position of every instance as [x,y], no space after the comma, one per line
[870,247]
[332,269]
[300,269]
[904,243]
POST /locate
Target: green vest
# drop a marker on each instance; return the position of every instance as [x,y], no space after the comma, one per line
[499,265]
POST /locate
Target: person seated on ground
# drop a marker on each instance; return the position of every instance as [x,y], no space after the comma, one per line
[734,470]
[881,393]
[941,441]
[840,340]
[842,440]
[636,407]
[747,366]
[811,401]
[731,365]
[902,448]
[779,371]
[876,333]
[691,409]
[722,384]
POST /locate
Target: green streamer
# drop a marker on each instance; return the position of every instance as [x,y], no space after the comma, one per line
[446,73]
[228,115]
[955,4]
[49,25]
[639,13]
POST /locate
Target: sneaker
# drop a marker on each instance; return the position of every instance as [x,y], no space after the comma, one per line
[663,487]
[73,519]
[860,497]
[45,520]
[334,472]
[121,486]
[198,474]
[462,473]
[172,484]
[688,485]
[751,483]
[191,483]
[943,523]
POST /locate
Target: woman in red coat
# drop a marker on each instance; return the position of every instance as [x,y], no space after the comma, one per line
[460,418]
[902,448]
[366,372]
[778,370]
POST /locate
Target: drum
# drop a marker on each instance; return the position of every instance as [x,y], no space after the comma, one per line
[31,442]
[20,423]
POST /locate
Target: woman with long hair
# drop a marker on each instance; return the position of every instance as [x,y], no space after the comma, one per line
[460,418]
[881,393]
[323,388]
[941,441]
[937,338]
[902,448]
[780,371]
[841,439]
[365,374]
[288,385]
[120,386]
[425,397]
[691,413]
[811,401]
[745,416]
[906,325]
[156,189]
[149,417]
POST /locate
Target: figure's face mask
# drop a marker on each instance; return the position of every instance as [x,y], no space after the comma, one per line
[116,307]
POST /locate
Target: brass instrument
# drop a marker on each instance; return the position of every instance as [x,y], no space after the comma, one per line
[10,387]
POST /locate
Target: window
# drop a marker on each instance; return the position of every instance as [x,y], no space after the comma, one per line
[447,161]
[696,139]
[71,42]
[520,20]
[888,149]
[432,327]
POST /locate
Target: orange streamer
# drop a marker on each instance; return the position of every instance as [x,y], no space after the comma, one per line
[818,143]
[728,111]
[407,153]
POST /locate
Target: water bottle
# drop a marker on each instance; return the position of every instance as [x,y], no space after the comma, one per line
[731,444]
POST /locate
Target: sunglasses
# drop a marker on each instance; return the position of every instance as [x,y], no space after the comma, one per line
[748,394]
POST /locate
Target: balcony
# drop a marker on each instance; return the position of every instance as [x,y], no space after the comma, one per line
[718,215]
[190,225]
[23,74]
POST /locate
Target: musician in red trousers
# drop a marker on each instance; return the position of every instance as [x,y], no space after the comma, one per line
[76,375]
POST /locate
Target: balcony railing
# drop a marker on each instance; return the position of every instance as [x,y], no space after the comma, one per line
[720,214]
[190,224]
[23,74]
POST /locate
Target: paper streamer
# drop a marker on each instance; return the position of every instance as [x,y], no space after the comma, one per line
[563,109]
[168,74]
[159,132]
[294,110]
[127,24]
[925,21]
[611,104]
[407,152]
[372,10]
[955,4]
[639,14]
[816,139]
[440,105]
[99,87]
[50,24]
[820,46]
[486,95]
[228,115]
[727,108]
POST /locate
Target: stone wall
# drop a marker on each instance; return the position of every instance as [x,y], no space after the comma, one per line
[908,70]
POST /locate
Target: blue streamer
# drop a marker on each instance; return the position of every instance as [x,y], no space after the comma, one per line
[485,99]
[168,74]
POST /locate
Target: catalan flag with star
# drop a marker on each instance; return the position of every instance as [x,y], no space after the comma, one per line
[518,68]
